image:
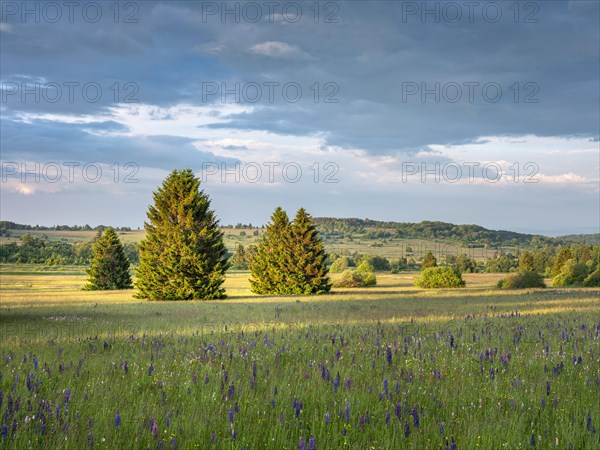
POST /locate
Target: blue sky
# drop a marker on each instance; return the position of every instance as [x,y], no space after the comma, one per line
[405,111]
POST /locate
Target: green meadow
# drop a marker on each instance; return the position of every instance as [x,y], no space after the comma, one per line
[391,366]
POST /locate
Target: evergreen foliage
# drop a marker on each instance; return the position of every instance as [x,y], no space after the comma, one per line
[428,261]
[291,258]
[110,266]
[183,256]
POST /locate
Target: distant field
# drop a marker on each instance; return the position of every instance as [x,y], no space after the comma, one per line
[391,248]
[386,367]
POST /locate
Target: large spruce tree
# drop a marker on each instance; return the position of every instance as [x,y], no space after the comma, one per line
[183,256]
[110,266]
[290,259]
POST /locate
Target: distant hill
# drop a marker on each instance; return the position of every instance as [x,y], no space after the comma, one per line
[7,225]
[590,239]
[468,234]
[331,227]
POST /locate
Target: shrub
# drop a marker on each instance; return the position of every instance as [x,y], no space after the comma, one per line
[593,279]
[365,267]
[355,278]
[339,265]
[522,280]
[439,277]
[571,272]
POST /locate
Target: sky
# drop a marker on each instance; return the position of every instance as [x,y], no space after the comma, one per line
[464,112]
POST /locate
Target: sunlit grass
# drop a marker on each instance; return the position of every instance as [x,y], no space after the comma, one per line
[82,339]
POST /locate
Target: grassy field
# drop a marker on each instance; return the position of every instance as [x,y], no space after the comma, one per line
[389,367]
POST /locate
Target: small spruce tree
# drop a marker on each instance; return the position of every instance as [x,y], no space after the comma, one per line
[183,256]
[269,264]
[110,266]
[428,261]
[308,273]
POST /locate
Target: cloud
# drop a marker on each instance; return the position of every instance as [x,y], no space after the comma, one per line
[276,49]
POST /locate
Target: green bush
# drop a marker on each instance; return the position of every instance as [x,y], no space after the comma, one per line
[339,265]
[522,280]
[355,278]
[593,279]
[439,277]
[365,267]
[571,272]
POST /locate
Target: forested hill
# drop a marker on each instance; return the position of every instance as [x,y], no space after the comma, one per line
[590,239]
[468,234]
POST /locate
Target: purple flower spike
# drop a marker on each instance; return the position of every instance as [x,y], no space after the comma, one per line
[415,414]
[327,418]
[118,420]
[302,445]
[312,444]
[347,412]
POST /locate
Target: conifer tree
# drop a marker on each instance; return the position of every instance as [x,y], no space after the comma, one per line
[309,273]
[110,266]
[269,265]
[183,256]
[290,259]
[428,261]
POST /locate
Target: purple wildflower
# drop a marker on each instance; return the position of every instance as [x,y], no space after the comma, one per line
[67,396]
[387,418]
[385,385]
[588,422]
[154,429]
[451,341]
[150,369]
[398,411]
[532,440]
[312,444]
[173,443]
[347,412]
[231,391]
[327,418]
[406,429]
[302,445]
[4,431]
[348,383]
[415,414]
[213,438]
[547,387]
[388,354]
[118,420]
